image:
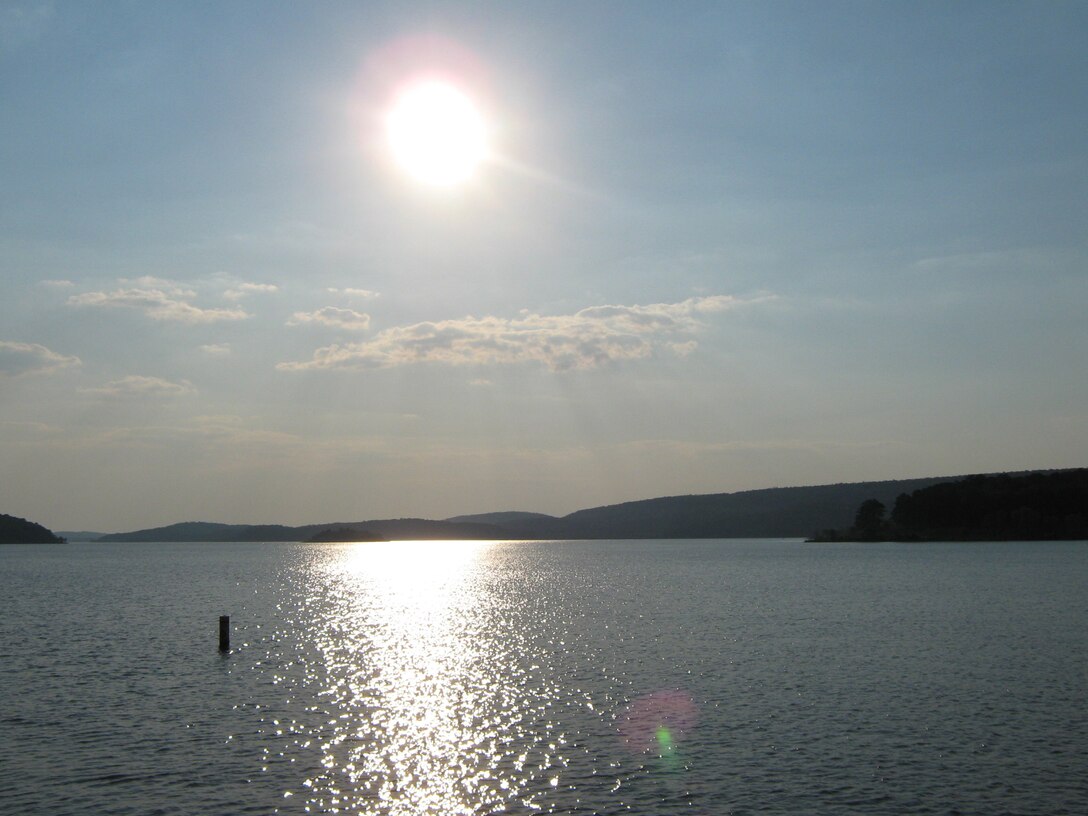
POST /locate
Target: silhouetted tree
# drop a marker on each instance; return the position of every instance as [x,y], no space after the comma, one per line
[902,512]
[869,521]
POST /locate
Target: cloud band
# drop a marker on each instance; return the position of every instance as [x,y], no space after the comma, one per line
[586,339]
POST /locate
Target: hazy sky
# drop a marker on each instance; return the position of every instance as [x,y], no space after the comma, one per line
[716,246]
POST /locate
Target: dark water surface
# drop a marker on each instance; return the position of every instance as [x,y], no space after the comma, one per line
[608,677]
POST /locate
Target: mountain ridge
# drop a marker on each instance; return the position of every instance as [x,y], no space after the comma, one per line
[774,512]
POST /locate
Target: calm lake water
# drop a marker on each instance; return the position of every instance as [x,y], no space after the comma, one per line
[604,677]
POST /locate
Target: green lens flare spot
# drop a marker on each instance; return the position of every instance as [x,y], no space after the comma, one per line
[664,740]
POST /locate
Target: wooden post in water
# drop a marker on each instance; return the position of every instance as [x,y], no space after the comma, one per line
[224,633]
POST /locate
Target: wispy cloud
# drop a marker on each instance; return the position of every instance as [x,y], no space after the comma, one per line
[216,349]
[158,299]
[1005,260]
[137,386]
[23,428]
[57,284]
[690,449]
[683,349]
[153,282]
[586,339]
[333,317]
[245,289]
[365,294]
[25,358]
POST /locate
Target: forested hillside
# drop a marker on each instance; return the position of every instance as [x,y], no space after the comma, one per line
[15,530]
[1031,507]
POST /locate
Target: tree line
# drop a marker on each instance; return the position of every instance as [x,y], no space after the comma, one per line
[1035,507]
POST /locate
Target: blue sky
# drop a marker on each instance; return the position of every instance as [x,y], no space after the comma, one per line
[717,246]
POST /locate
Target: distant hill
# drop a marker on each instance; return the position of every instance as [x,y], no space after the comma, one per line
[192,531]
[79,535]
[391,529]
[504,518]
[342,534]
[780,512]
[14,530]
[770,513]
[424,530]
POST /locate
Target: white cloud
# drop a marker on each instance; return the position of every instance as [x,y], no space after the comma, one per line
[159,300]
[334,317]
[216,349]
[57,284]
[683,349]
[243,289]
[351,292]
[25,358]
[586,339]
[151,282]
[137,386]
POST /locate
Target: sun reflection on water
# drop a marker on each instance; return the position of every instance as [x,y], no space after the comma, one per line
[425,719]
[456,678]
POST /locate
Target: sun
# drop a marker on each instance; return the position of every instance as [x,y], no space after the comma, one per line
[436,133]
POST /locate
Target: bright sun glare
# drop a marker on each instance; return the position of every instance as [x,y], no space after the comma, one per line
[436,133]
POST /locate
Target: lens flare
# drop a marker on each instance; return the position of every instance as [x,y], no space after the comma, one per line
[664,740]
[655,722]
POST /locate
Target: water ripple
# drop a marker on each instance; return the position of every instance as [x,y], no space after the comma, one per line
[653,678]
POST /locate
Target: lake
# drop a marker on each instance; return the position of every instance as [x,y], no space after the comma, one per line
[584,677]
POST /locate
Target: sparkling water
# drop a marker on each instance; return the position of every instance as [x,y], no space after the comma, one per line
[588,677]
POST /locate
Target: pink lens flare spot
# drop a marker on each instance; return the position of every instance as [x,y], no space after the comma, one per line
[643,723]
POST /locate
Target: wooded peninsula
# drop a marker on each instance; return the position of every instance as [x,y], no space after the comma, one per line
[1028,507]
